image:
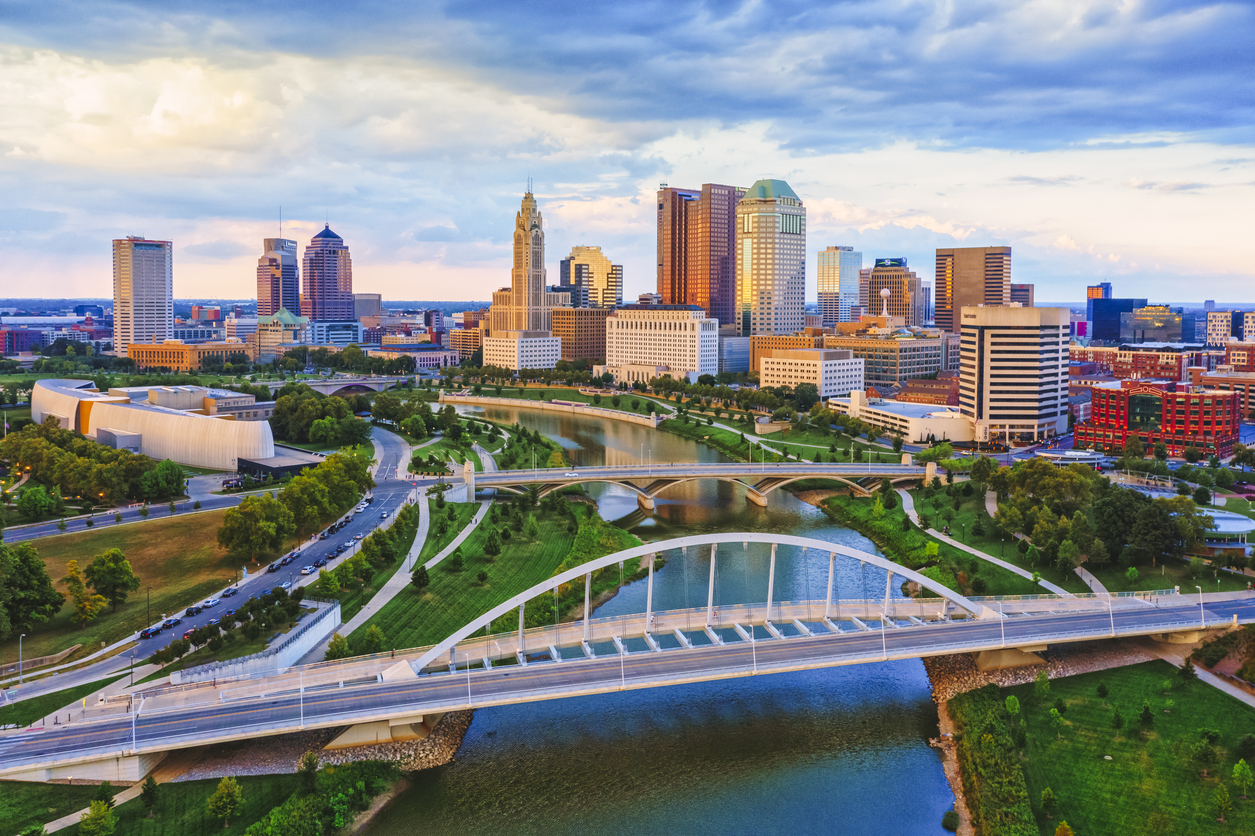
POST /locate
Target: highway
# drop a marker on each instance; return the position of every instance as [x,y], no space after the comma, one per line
[333,706]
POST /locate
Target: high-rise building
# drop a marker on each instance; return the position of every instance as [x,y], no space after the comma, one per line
[522,306]
[838,274]
[1022,294]
[648,341]
[1158,323]
[864,298]
[591,278]
[582,331]
[1105,317]
[696,243]
[367,304]
[770,259]
[904,300]
[926,290]
[278,277]
[1102,290]
[968,277]
[143,291]
[1223,326]
[1013,372]
[328,278]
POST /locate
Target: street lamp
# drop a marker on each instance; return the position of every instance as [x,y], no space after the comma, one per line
[19,658]
[1112,614]
[1002,623]
[1202,619]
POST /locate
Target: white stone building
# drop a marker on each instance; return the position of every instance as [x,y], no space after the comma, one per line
[522,350]
[832,371]
[662,341]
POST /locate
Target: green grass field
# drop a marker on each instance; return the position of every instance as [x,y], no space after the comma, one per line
[24,803]
[456,597]
[28,711]
[1151,784]
[182,807]
[178,558]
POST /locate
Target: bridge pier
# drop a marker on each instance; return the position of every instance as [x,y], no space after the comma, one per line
[468,479]
[755,497]
[645,503]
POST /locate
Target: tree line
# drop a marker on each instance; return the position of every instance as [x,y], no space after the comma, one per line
[304,416]
[28,597]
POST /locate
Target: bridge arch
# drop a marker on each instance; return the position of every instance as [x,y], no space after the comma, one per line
[443,647]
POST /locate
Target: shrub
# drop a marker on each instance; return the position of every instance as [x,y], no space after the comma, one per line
[950,821]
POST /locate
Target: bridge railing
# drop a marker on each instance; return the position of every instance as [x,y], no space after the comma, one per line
[1140,593]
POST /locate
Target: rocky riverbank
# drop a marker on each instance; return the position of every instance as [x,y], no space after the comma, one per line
[436,749]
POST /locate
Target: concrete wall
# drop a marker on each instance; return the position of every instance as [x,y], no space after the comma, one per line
[278,658]
[520,403]
[185,437]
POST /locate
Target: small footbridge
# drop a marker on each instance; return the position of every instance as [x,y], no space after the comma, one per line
[648,481]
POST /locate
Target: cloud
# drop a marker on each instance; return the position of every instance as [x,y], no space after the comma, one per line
[1024,180]
[219,250]
[1175,186]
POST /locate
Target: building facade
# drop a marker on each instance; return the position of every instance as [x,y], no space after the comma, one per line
[278,277]
[1223,326]
[895,355]
[281,328]
[1014,372]
[1105,316]
[522,350]
[178,356]
[905,298]
[591,279]
[1022,295]
[143,291]
[969,277]
[832,372]
[345,332]
[1132,361]
[1179,415]
[917,423]
[522,306]
[696,248]
[1102,290]
[466,341]
[582,331]
[367,304]
[679,339]
[328,278]
[770,260]
[763,345]
[838,283]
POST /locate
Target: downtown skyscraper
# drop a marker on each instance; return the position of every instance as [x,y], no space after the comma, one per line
[278,278]
[838,277]
[969,277]
[591,279]
[143,291]
[770,260]
[696,248]
[328,280]
[524,305]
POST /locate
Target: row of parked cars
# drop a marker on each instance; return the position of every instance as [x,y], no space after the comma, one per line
[195,609]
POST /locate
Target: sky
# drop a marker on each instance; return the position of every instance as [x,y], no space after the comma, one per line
[1102,141]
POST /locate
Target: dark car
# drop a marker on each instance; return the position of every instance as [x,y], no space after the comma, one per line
[228,614]
[213,622]
[322,561]
[149,633]
[322,536]
[191,611]
[227,593]
[171,622]
[287,560]
[273,567]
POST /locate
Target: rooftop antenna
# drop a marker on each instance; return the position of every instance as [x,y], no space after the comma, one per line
[281,220]
[529,185]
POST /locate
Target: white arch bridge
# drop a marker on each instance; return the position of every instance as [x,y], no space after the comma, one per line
[396,697]
[648,481]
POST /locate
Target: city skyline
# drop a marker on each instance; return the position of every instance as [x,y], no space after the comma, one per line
[1119,177]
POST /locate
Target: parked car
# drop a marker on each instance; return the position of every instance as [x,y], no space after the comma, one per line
[191,611]
[230,591]
[212,602]
[287,585]
[307,570]
[357,536]
[213,622]
[187,634]
[320,562]
[287,560]
[383,515]
[149,633]
[228,614]
[273,567]
[171,622]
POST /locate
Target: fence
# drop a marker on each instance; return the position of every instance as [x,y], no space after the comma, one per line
[273,659]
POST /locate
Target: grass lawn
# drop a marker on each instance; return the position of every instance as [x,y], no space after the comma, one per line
[463,513]
[1151,784]
[182,807]
[447,450]
[28,711]
[456,597]
[25,803]
[177,557]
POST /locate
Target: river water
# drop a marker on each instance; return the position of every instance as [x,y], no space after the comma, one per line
[841,750]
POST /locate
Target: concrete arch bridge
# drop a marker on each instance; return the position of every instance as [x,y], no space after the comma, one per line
[343,385]
[648,481]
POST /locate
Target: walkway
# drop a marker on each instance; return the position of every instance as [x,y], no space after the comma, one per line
[175,764]
[1092,582]
[1175,656]
[991,503]
[908,503]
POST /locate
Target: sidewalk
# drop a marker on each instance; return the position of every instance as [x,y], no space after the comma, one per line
[1092,582]
[172,767]
[1175,656]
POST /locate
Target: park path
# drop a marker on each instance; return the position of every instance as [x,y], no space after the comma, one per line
[1092,582]
[908,504]
[991,503]
[175,764]
[1175,656]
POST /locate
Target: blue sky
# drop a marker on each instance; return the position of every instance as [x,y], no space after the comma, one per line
[1103,141]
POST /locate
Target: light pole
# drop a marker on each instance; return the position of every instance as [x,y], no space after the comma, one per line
[1202,619]
[1112,614]
[1002,623]
[468,678]
[19,658]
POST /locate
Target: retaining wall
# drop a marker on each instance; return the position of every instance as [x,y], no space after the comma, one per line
[278,658]
[520,403]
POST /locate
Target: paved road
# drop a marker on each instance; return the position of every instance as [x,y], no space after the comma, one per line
[437,692]
[681,470]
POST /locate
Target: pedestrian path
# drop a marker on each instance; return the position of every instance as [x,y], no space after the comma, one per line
[908,504]
[175,764]
[1092,582]
[991,503]
[1175,655]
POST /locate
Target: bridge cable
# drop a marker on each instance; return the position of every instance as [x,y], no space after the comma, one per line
[807,570]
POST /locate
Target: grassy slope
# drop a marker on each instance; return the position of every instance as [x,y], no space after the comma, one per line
[178,557]
[182,807]
[24,803]
[455,598]
[28,711]
[1148,786]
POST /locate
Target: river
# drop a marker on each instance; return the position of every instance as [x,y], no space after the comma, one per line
[841,750]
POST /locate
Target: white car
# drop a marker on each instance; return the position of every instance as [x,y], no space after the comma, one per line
[307,570]
[572,473]
[287,584]
[212,602]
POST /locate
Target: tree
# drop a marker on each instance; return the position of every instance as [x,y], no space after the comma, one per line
[327,585]
[27,596]
[105,793]
[1013,705]
[226,800]
[1048,802]
[1134,449]
[1102,691]
[150,795]
[110,574]
[1202,496]
[98,820]
[307,768]
[1161,451]
[338,648]
[35,503]
[1147,717]
[532,528]
[1132,574]
[1069,555]
[493,545]
[1224,803]
[1041,686]
[258,524]
[373,641]
[420,579]
[1192,454]
[1187,672]
[1064,830]
[1243,776]
[1057,723]
[1117,720]
[87,605]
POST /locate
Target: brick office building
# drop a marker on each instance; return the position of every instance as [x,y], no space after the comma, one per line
[1179,415]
